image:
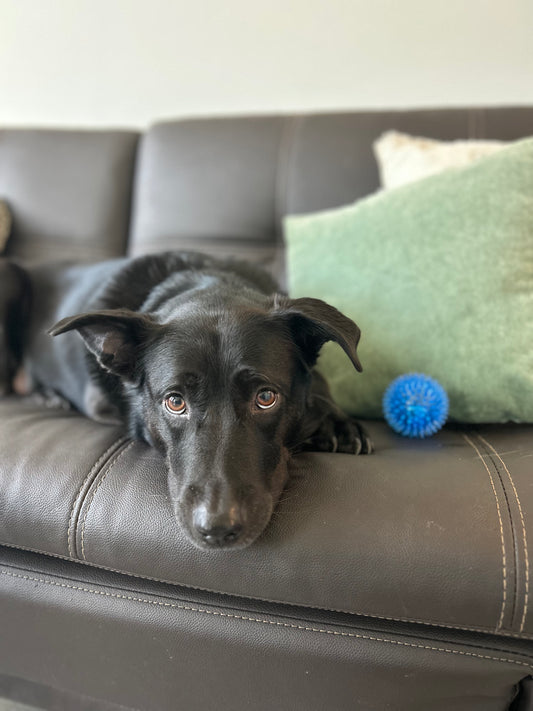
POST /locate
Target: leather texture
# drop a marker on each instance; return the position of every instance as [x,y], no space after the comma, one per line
[198,187]
[69,192]
[162,647]
[430,532]
[399,581]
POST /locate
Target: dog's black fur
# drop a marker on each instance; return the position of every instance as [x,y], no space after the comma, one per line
[201,358]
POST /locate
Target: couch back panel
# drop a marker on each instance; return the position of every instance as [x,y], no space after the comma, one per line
[69,192]
[221,184]
[209,184]
[224,184]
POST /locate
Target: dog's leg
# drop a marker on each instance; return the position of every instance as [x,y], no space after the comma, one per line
[14,310]
[328,429]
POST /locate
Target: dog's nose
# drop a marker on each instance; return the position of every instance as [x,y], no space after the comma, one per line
[220,535]
[221,529]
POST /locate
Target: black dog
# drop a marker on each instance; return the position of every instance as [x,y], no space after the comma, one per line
[201,358]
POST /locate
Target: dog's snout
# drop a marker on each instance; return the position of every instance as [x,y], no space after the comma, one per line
[218,528]
[221,535]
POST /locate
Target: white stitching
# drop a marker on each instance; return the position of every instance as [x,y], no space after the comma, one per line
[362,614]
[89,503]
[483,629]
[504,559]
[319,630]
[91,472]
[526,554]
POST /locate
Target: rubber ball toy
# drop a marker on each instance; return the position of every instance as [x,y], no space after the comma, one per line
[415,405]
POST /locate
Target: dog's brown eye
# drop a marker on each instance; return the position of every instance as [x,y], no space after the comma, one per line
[175,404]
[265,399]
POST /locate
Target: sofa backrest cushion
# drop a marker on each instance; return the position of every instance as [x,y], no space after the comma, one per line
[69,192]
[224,184]
[210,185]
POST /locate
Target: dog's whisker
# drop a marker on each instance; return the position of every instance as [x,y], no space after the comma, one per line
[298,510]
[288,495]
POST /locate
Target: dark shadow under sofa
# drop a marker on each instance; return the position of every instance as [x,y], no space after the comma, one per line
[398,581]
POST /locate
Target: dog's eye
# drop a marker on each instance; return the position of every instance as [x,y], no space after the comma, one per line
[265,399]
[175,404]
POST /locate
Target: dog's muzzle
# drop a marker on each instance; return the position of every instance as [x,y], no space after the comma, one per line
[215,528]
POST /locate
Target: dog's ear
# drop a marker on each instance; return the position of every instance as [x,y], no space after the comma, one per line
[313,322]
[113,336]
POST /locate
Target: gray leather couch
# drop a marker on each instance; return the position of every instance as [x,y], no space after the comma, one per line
[399,581]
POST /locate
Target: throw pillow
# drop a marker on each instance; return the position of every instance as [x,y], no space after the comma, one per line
[402,158]
[5,224]
[438,274]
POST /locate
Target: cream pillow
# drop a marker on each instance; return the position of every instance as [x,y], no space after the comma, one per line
[403,159]
[5,224]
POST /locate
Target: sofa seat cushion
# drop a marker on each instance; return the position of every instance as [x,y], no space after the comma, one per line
[427,531]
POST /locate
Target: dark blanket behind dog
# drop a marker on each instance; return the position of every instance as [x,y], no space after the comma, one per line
[201,358]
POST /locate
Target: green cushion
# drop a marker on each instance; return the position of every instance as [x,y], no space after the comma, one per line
[438,275]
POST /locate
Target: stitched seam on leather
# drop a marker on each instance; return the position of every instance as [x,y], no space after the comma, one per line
[284,170]
[471,120]
[408,620]
[504,559]
[526,553]
[280,177]
[92,473]
[89,503]
[336,633]
[513,532]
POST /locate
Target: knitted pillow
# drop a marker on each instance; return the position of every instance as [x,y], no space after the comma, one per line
[402,158]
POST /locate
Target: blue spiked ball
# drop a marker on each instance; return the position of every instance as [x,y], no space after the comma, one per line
[415,405]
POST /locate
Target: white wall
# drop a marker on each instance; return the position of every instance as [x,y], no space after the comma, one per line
[128,62]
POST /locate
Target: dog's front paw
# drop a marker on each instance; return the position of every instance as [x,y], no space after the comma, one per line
[339,433]
[48,398]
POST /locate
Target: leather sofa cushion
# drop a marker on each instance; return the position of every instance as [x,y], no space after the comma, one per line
[429,532]
[224,179]
[69,192]
[209,186]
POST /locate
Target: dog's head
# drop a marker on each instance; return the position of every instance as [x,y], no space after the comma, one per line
[221,389]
